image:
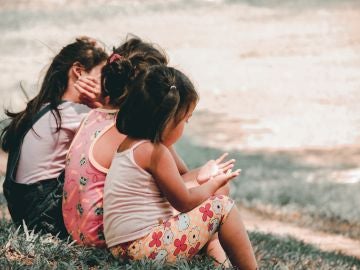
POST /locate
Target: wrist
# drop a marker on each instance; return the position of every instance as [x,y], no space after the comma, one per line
[215,185]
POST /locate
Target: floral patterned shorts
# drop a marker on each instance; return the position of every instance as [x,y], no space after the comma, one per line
[181,236]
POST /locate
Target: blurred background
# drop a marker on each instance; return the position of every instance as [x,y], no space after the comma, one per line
[279,83]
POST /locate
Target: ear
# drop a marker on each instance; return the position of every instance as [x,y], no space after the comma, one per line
[77,69]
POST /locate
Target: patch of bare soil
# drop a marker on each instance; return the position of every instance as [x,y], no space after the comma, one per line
[325,241]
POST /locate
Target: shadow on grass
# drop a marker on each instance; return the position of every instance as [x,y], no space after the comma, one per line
[289,183]
[277,179]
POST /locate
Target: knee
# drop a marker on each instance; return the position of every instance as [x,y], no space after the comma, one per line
[220,197]
[221,204]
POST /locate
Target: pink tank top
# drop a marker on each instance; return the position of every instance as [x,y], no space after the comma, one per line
[84,181]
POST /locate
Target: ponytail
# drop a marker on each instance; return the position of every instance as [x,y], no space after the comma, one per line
[126,62]
[114,77]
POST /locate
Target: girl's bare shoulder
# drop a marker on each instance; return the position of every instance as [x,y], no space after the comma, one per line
[147,154]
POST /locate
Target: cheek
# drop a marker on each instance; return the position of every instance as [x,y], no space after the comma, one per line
[96,71]
[180,130]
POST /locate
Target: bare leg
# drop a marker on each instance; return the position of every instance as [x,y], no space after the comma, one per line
[215,250]
[235,241]
[213,247]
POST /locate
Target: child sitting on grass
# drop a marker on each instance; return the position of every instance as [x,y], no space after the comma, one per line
[143,183]
[37,138]
[97,140]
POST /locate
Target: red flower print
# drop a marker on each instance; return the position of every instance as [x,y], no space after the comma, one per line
[194,250]
[156,239]
[206,212]
[167,224]
[180,245]
[153,255]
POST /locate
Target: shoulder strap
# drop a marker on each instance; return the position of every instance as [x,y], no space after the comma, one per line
[14,153]
[137,144]
[41,113]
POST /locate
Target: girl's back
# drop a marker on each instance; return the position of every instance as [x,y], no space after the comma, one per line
[47,146]
[84,181]
[89,157]
[133,202]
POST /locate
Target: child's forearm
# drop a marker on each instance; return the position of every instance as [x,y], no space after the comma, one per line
[196,195]
[191,175]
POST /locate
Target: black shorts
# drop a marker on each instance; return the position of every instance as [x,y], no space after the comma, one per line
[38,205]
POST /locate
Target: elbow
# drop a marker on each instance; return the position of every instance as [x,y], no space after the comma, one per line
[182,206]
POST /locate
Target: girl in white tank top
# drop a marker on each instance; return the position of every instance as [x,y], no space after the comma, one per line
[143,181]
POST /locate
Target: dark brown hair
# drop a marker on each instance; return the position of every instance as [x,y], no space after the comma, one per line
[133,56]
[84,51]
[159,95]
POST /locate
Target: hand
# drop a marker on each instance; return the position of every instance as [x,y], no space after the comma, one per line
[89,90]
[222,179]
[213,168]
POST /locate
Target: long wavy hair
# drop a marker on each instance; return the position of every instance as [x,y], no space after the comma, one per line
[84,51]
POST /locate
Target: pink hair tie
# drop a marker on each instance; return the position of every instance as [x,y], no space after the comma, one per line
[114,57]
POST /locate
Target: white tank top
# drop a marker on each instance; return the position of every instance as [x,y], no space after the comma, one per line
[133,203]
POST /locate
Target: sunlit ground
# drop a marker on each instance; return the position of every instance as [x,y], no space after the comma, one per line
[279,83]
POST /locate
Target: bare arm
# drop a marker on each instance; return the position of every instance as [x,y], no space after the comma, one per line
[180,164]
[164,169]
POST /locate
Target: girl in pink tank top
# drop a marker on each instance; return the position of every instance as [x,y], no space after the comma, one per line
[91,152]
[84,181]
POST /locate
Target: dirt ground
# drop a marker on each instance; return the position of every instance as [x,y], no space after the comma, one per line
[324,241]
[272,75]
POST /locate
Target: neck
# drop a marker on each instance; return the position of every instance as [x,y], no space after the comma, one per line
[71,94]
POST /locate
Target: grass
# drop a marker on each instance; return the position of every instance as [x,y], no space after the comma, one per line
[274,180]
[282,183]
[21,249]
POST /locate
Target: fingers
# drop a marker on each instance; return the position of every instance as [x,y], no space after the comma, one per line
[221,158]
[225,177]
[225,164]
[232,174]
[84,99]
[226,168]
[88,87]
[80,85]
[83,87]
[91,82]
[89,79]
